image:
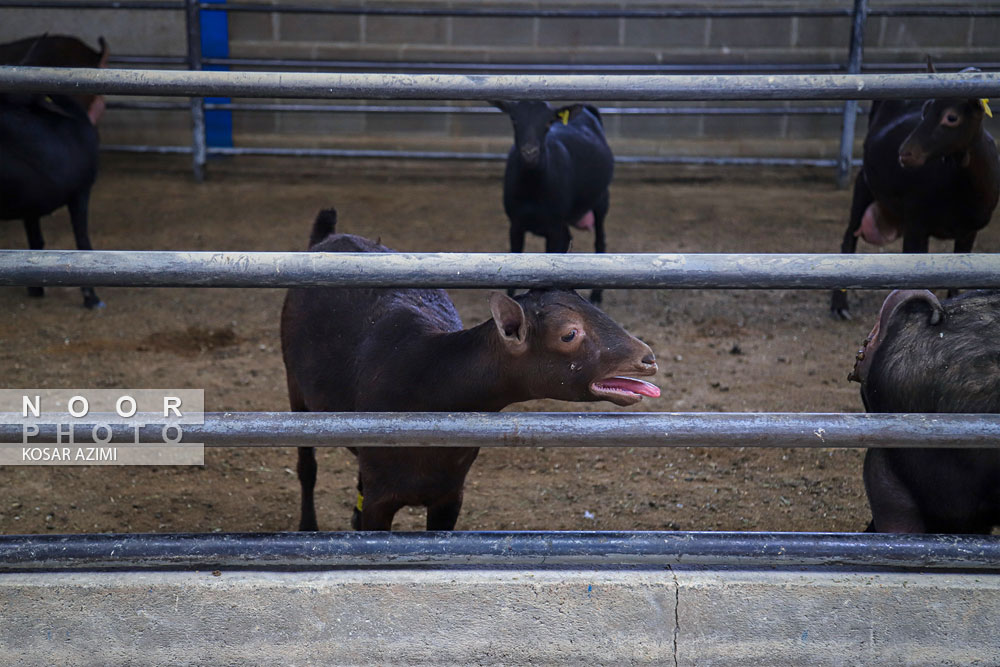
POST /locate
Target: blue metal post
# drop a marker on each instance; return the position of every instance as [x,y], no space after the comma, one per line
[215,44]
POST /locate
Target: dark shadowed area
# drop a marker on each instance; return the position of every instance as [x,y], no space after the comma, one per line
[719,351]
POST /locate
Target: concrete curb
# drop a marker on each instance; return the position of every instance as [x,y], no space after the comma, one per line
[676,616]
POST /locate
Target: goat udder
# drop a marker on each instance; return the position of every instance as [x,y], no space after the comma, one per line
[875,229]
[96,109]
[586,222]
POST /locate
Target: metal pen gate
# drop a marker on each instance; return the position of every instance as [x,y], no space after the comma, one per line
[458,270]
[928,554]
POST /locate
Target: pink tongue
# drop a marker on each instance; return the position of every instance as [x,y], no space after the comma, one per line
[632,385]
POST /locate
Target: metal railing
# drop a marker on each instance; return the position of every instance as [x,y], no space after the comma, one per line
[195,61]
[131,268]
[600,87]
[537,429]
[210,269]
[524,549]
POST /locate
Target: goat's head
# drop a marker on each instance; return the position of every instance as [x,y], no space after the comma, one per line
[558,345]
[531,120]
[947,127]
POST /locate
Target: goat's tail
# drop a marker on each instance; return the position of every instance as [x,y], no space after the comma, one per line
[326,223]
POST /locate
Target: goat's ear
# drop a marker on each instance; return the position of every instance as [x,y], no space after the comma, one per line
[594,110]
[501,104]
[510,320]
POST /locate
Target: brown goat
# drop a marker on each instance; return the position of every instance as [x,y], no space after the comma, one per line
[397,350]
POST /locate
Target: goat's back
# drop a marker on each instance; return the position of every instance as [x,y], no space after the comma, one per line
[953,366]
[338,341]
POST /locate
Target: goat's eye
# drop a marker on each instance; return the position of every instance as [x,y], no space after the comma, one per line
[567,338]
[951,118]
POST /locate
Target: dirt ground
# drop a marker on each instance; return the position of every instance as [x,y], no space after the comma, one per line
[719,351]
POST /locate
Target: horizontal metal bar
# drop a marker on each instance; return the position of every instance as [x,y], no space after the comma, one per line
[534,549]
[556,429]
[565,68]
[148,60]
[468,110]
[456,155]
[132,268]
[90,4]
[723,161]
[943,12]
[162,150]
[499,12]
[722,13]
[487,87]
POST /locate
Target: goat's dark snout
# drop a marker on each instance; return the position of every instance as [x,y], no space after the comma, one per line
[650,360]
[908,158]
[530,153]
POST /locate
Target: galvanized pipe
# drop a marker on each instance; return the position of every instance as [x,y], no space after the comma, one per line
[506,13]
[577,68]
[596,13]
[457,155]
[470,110]
[129,268]
[90,4]
[851,106]
[486,87]
[522,549]
[537,429]
[498,12]
[192,25]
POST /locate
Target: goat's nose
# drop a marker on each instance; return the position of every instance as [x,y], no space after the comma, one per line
[649,359]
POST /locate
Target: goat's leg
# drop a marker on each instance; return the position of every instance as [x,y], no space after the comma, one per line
[963,243]
[78,206]
[916,241]
[516,245]
[443,515]
[558,239]
[306,469]
[862,197]
[377,514]
[33,229]
[600,212]
[894,509]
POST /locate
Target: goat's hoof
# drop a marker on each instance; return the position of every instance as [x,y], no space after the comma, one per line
[36,292]
[90,298]
[841,314]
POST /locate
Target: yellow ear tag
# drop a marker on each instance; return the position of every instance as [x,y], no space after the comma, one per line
[360,500]
[564,116]
[986,107]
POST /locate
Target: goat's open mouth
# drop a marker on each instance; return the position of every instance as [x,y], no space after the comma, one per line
[623,390]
